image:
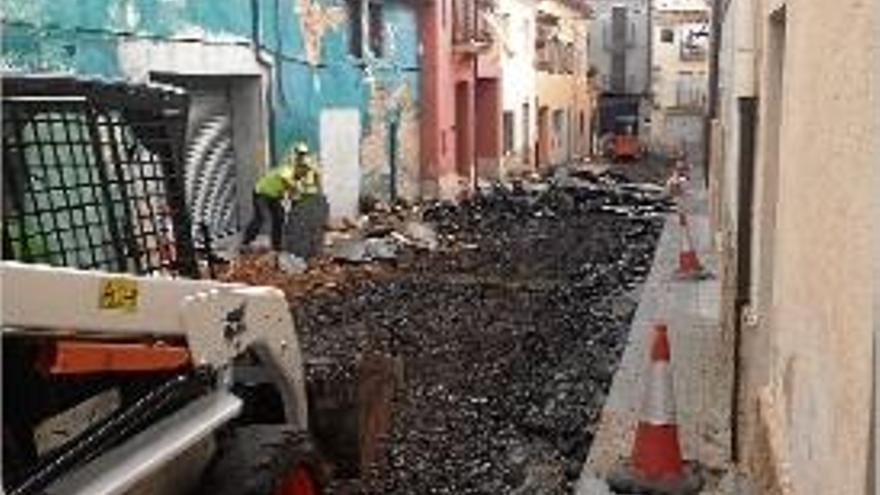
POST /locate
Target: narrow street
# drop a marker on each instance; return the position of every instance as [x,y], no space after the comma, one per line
[509,334]
[452,247]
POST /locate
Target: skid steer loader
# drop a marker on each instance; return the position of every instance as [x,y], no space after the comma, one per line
[123,373]
[168,349]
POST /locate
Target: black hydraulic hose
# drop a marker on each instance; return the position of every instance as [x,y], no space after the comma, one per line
[114,429]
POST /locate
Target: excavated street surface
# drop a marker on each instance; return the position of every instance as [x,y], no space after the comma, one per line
[509,336]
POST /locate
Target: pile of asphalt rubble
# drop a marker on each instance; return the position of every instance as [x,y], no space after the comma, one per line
[509,333]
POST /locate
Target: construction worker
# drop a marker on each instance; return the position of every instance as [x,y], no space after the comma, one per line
[297,178]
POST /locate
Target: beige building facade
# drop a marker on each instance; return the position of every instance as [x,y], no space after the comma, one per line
[795,182]
[680,43]
[562,85]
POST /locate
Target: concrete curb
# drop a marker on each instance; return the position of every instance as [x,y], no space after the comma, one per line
[702,361]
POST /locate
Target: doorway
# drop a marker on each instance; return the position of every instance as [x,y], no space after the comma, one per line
[543,151]
[463,147]
[487,142]
[221,141]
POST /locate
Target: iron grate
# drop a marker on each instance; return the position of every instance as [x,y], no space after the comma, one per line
[93,178]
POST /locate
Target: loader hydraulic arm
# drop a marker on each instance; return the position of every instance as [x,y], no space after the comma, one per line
[217,321]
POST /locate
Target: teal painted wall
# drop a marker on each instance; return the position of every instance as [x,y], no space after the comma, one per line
[83,37]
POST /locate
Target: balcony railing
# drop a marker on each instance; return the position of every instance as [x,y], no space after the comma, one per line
[694,46]
[552,54]
[690,94]
[555,56]
[471,29]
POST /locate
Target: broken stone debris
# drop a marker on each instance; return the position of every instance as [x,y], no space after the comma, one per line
[352,250]
[383,248]
[509,321]
[292,264]
[421,235]
[382,244]
[509,348]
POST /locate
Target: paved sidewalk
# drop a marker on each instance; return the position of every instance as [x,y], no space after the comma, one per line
[702,360]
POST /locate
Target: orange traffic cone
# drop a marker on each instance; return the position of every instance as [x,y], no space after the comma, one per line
[689,267]
[656,465]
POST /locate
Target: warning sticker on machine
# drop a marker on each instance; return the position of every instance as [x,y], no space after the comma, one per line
[118,293]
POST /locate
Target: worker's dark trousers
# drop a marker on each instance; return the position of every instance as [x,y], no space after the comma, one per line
[264,207]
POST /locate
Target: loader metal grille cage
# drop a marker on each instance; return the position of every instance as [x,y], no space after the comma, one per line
[93,176]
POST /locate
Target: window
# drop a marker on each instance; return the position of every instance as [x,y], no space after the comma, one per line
[376,28]
[694,43]
[508,132]
[558,123]
[583,123]
[366,25]
[690,90]
[667,35]
[356,34]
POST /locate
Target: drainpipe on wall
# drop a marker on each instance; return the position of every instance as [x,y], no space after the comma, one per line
[874,433]
[473,130]
[715,45]
[268,67]
[647,91]
[873,457]
[393,125]
[748,111]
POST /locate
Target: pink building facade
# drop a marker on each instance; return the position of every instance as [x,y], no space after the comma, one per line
[461,91]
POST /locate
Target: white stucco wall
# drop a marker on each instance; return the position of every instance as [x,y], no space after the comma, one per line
[518,73]
[669,66]
[821,316]
[816,238]
[673,76]
[139,57]
[340,155]
[681,5]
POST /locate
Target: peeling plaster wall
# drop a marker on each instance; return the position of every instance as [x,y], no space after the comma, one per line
[393,105]
[392,112]
[316,19]
[306,43]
